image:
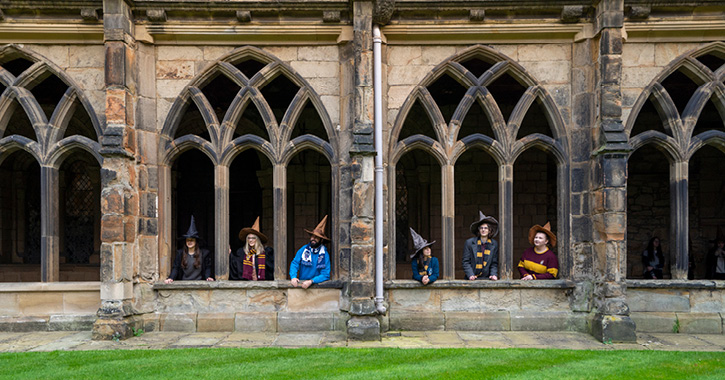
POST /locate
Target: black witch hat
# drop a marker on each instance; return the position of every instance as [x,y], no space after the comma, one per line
[419,243]
[192,232]
[490,220]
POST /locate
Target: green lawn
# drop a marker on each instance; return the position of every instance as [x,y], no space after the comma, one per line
[369,364]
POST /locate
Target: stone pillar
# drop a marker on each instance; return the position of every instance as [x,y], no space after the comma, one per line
[49,224]
[221,228]
[679,217]
[119,194]
[448,224]
[612,321]
[506,222]
[361,287]
[279,183]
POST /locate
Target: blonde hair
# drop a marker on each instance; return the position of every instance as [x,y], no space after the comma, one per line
[259,247]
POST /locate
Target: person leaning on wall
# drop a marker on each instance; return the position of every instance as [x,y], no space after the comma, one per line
[539,262]
[425,266]
[480,253]
[192,263]
[311,264]
[253,261]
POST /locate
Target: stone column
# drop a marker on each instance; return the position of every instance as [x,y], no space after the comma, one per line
[279,183]
[448,210]
[679,217]
[119,194]
[506,221]
[221,228]
[361,287]
[49,224]
[612,321]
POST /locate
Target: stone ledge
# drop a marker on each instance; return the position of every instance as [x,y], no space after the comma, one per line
[483,284]
[676,284]
[74,286]
[283,284]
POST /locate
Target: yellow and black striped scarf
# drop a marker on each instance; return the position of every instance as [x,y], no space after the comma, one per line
[482,256]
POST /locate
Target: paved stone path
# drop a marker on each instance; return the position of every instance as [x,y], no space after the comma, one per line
[74,340]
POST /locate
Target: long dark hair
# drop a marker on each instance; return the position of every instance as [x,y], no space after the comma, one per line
[197,255]
[651,248]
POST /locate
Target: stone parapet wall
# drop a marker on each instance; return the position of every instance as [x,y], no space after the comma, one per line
[48,306]
[246,306]
[677,306]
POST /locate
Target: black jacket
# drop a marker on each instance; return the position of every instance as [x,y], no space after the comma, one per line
[236,268]
[469,258]
[206,264]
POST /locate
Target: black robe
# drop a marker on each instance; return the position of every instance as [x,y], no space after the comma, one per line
[236,268]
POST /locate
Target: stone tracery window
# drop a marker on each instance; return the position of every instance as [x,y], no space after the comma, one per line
[679,118]
[478,114]
[265,132]
[39,100]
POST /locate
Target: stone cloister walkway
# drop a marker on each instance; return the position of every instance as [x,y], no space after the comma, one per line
[75,340]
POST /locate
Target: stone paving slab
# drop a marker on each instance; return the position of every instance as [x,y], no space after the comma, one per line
[74,340]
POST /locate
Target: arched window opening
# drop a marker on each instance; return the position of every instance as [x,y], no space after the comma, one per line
[535,121]
[192,193]
[534,199]
[250,196]
[80,124]
[447,93]
[279,94]
[15,66]
[417,122]
[192,123]
[310,123]
[20,210]
[680,87]
[648,207]
[648,119]
[220,93]
[506,91]
[476,121]
[251,123]
[709,119]
[706,208]
[48,93]
[19,123]
[80,215]
[713,60]
[418,205]
[249,66]
[477,66]
[476,189]
[309,199]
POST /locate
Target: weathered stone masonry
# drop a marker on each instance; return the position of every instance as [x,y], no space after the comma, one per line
[603,117]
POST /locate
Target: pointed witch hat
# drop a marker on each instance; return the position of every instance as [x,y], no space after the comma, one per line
[546,229]
[490,220]
[254,230]
[418,242]
[319,231]
[191,232]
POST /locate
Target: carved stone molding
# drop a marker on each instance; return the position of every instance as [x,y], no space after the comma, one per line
[383,11]
[571,13]
[156,15]
[244,16]
[89,14]
[477,14]
[331,16]
[640,12]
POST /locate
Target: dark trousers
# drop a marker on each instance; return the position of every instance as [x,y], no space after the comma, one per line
[653,274]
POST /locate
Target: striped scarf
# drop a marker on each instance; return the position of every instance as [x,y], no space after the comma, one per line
[248,266]
[482,256]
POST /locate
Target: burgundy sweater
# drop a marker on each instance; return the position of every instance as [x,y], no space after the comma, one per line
[540,265]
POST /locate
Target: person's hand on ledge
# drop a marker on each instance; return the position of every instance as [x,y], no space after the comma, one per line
[210,279]
[168,281]
[295,282]
[472,278]
[527,277]
[492,277]
[306,284]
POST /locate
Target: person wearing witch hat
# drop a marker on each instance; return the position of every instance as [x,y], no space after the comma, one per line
[191,262]
[425,266]
[539,262]
[715,260]
[480,253]
[311,264]
[253,261]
